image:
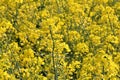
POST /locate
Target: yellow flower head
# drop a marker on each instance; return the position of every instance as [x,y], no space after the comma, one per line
[112,39]
[73,36]
[28,53]
[82,47]
[95,39]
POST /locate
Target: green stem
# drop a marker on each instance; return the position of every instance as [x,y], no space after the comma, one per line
[53,56]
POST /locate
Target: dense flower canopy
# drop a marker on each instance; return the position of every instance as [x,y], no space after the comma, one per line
[59,39]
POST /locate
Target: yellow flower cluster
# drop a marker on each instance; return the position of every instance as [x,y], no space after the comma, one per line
[59,40]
